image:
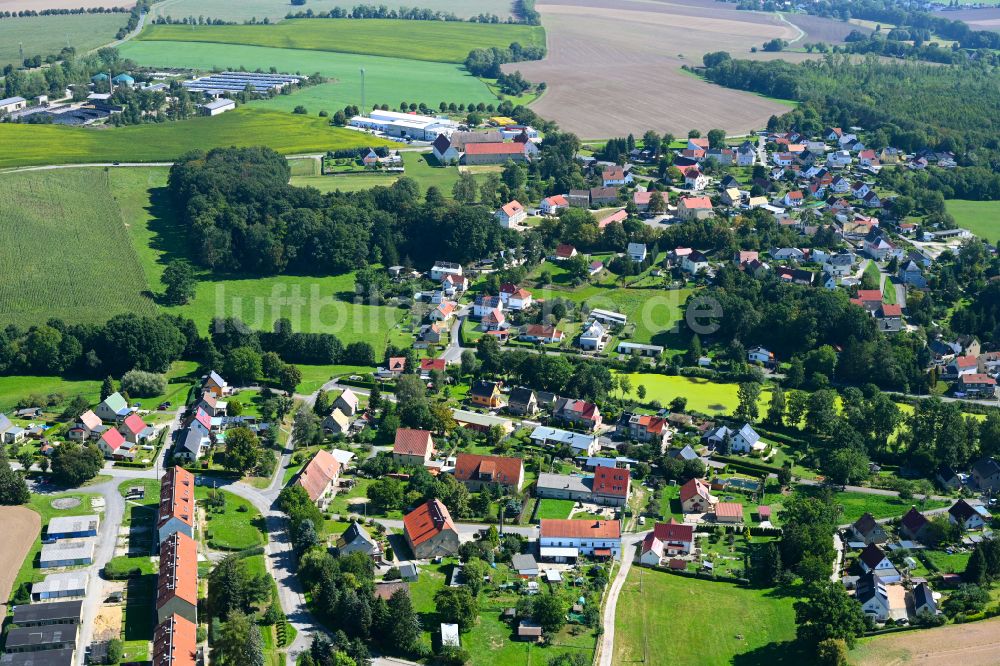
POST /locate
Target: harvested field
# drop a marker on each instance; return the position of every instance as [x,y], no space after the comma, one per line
[275,10]
[821,29]
[987,18]
[973,644]
[614,66]
[21,528]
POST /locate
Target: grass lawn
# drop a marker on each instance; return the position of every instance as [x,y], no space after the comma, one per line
[68,224]
[274,10]
[344,183]
[947,563]
[555,508]
[13,388]
[980,217]
[42,505]
[889,295]
[702,395]
[286,133]
[746,626]
[437,41]
[387,80]
[237,527]
[856,505]
[44,35]
[314,376]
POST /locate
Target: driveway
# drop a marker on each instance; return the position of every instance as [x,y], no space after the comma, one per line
[606,648]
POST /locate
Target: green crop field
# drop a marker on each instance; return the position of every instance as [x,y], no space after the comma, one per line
[26,145]
[65,250]
[746,626]
[980,217]
[44,35]
[437,41]
[387,80]
[702,395]
[244,10]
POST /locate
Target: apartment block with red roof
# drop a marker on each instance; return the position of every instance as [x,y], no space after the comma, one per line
[412,448]
[176,511]
[177,584]
[430,531]
[175,642]
[476,471]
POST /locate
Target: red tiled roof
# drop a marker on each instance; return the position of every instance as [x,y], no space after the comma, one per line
[977,378]
[542,331]
[178,570]
[500,469]
[966,361]
[653,424]
[564,250]
[556,200]
[729,510]
[696,203]
[113,439]
[202,417]
[494,149]
[175,642]
[177,496]
[134,424]
[693,488]
[90,419]
[581,529]
[319,473]
[611,481]
[870,295]
[410,442]
[512,208]
[893,310]
[427,521]
[674,531]
[397,363]
[428,364]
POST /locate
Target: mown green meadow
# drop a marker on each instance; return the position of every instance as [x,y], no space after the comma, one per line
[980,217]
[387,80]
[65,250]
[662,618]
[437,41]
[27,145]
[44,35]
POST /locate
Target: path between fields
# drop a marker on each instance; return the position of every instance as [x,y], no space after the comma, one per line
[802,33]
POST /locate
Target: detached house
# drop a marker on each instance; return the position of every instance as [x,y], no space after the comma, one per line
[87,426]
[986,474]
[113,408]
[978,385]
[912,524]
[746,440]
[511,215]
[113,445]
[615,176]
[552,205]
[485,394]
[347,402]
[873,558]
[543,333]
[567,540]
[866,529]
[611,485]
[666,539]
[871,593]
[215,384]
[135,430]
[577,412]
[695,497]
[477,471]
[637,252]
[694,208]
[412,448]
[430,531]
[967,516]
[645,428]
[523,402]
[320,478]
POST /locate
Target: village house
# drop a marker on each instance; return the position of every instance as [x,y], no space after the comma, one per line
[113,445]
[611,486]
[347,402]
[728,512]
[977,385]
[485,304]
[694,262]
[357,539]
[477,471]
[485,394]
[873,558]
[867,530]
[320,478]
[454,285]
[113,408]
[761,355]
[616,176]
[912,524]
[522,402]
[645,428]
[986,474]
[666,540]
[87,426]
[567,540]
[511,215]
[214,383]
[499,153]
[912,275]
[135,430]
[552,205]
[441,269]
[594,337]
[695,497]
[694,208]
[412,448]
[543,333]
[430,531]
[967,516]
[746,440]
[212,404]
[871,593]
[577,412]
[190,444]
[637,252]
[580,443]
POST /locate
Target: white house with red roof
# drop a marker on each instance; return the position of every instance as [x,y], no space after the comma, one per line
[552,205]
[961,365]
[135,430]
[520,299]
[694,208]
[113,445]
[511,214]
[494,320]
[443,312]
[666,539]
[978,384]
[565,251]
[695,497]
[578,412]
[567,540]
[454,284]
[694,179]
[87,426]
[201,422]
[615,176]
[793,198]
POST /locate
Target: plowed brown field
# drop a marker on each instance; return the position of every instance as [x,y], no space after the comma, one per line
[614,66]
[973,644]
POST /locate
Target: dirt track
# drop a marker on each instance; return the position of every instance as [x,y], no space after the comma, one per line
[974,644]
[21,527]
[614,66]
